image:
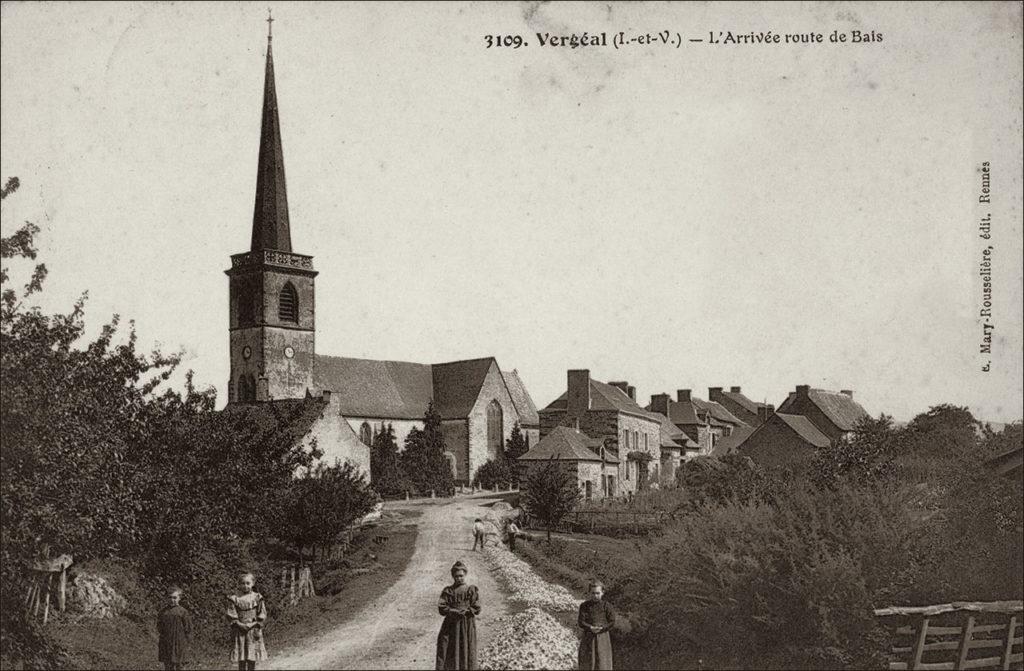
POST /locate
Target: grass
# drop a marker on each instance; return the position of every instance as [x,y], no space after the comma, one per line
[344,586]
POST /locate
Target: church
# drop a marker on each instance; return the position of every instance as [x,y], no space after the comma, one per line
[344,402]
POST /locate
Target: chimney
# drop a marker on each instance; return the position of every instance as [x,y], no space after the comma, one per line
[714,393]
[683,395]
[764,412]
[659,403]
[624,386]
[578,398]
[802,389]
[734,390]
[848,392]
[326,396]
[631,391]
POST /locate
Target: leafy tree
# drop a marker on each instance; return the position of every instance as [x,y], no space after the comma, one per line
[323,505]
[495,472]
[385,473]
[869,455]
[515,446]
[551,494]
[423,460]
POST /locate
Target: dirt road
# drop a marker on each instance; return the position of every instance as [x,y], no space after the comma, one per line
[399,630]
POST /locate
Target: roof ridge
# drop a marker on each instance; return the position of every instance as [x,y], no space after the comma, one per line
[482,358]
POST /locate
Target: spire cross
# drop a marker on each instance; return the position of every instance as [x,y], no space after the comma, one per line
[270,26]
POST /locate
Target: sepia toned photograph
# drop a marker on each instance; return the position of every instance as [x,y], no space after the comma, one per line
[512,335]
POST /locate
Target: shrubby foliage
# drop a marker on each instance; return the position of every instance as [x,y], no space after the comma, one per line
[423,461]
[551,494]
[385,472]
[496,472]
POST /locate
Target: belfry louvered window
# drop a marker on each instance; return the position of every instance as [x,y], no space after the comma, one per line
[288,304]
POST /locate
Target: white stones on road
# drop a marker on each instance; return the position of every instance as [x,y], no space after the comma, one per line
[530,640]
[525,586]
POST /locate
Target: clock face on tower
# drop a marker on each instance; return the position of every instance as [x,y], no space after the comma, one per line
[289,352]
[246,352]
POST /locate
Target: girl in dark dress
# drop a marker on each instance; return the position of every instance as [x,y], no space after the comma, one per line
[174,625]
[596,619]
[459,604]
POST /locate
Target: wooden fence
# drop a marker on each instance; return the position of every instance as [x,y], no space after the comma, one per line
[959,635]
[49,579]
[587,521]
[298,582]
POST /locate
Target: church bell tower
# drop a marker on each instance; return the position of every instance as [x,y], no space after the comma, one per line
[272,311]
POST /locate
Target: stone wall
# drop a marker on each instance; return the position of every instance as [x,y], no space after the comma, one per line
[492,389]
[337,440]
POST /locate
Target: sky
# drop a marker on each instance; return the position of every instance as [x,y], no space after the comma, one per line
[762,215]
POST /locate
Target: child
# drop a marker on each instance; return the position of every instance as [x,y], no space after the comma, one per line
[596,620]
[174,625]
[456,642]
[478,534]
[247,613]
[513,531]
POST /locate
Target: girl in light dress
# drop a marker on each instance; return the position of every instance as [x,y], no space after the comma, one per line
[247,612]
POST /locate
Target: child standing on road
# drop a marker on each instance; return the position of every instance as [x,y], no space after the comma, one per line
[459,604]
[596,619]
[247,613]
[478,534]
[513,531]
[174,624]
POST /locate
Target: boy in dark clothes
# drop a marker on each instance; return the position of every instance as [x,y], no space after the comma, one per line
[175,627]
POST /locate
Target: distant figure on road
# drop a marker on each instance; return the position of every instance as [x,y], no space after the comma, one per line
[513,531]
[459,604]
[174,624]
[247,613]
[596,620]
[479,534]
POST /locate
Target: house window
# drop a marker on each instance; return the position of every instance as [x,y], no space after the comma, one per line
[495,430]
[625,439]
[645,442]
[288,304]
[365,434]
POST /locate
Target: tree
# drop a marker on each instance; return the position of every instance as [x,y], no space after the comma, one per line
[423,461]
[515,446]
[868,456]
[324,504]
[551,494]
[494,472]
[385,473]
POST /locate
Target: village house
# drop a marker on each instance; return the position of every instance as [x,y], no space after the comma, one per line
[676,447]
[345,401]
[808,420]
[744,409]
[586,458]
[609,412]
[704,422]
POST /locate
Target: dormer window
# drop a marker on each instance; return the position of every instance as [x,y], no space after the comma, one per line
[288,304]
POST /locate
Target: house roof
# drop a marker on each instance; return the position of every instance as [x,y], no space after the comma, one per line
[521,399]
[730,444]
[671,435]
[605,397]
[402,390]
[804,428]
[564,444]
[717,411]
[840,408]
[741,400]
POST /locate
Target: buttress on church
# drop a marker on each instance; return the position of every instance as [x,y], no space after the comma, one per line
[343,402]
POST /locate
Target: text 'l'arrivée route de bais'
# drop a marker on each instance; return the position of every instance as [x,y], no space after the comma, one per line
[675,39]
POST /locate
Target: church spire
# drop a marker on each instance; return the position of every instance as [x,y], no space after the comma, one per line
[270,228]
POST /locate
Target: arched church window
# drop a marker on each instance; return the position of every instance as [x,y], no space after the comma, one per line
[495,430]
[365,434]
[288,304]
[246,306]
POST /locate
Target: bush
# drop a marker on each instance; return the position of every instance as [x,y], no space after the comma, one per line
[551,494]
[495,472]
[423,460]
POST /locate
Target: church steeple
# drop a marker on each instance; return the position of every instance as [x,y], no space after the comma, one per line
[270,227]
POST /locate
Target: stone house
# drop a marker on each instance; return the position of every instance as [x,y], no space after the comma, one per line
[595,468]
[272,329]
[609,412]
[704,422]
[833,413]
[784,441]
[747,411]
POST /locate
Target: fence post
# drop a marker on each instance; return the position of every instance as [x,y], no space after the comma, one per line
[1011,629]
[965,643]
[431,493]
[915,663]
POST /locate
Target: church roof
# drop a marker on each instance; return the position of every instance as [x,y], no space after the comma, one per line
[270,227]
[402,390]
[563,444]
[521,399]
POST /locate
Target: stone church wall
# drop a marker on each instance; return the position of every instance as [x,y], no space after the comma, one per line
[402,426]
[337,440]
